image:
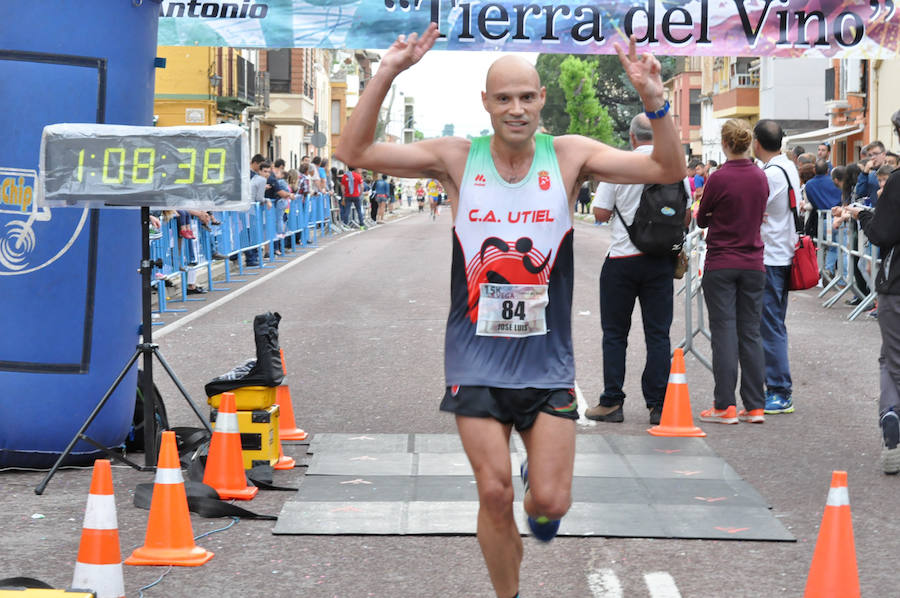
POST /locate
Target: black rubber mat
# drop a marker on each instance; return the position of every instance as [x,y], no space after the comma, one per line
[624,486]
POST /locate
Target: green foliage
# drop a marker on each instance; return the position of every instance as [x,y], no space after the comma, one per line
[578,80]
[419,135]
[553,116]
[614,92]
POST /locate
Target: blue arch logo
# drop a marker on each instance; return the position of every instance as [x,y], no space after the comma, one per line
[29,239]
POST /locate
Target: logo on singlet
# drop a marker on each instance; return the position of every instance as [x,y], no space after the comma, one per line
[544,180]
[480,180]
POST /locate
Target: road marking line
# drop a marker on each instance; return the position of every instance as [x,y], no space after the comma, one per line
[582,406]
[661,585]
[604,583]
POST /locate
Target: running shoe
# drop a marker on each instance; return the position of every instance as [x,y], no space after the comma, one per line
[890,452]
[754,416]
[720,416]
[542,528]
[776,403]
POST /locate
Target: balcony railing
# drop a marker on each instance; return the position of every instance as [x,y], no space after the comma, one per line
[745,80]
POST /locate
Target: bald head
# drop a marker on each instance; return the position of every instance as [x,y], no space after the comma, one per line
[511,68]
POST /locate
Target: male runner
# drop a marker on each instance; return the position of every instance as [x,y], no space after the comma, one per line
[508,353]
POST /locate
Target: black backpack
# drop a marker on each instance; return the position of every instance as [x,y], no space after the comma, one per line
[658,226]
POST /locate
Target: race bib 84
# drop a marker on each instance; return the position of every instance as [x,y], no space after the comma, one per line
[512,310]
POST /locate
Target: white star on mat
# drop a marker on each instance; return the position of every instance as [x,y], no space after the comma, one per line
[362,438]
[355,482]
[364,458]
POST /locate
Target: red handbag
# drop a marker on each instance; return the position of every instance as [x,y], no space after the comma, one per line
[804,266]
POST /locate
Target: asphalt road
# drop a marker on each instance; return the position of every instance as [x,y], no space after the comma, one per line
[362,331]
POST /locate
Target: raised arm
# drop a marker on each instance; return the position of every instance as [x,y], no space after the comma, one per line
[666,163]
[357,146]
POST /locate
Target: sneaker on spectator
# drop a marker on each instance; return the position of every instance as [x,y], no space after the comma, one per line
[776,403]
[655,415]
[754,416]
[218,256]
[720,416]
[542,528]
[890,451]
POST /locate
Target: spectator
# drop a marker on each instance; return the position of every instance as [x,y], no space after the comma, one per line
[795,154]
[629,275]
[892,159]
[695,174]
[420,195]
[584,197]
[882,227]
[257,194]
[313,173]
[320,180]
[807,172]
[279,195]
[711,166]
[381,191]
[733,206]
[823,152]
[823,195]
[848,196]
[779,236]
[352,186]
[867,185]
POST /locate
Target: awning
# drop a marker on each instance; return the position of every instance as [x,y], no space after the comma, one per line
[829,134]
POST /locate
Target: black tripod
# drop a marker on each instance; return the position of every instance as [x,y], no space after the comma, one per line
[147,350]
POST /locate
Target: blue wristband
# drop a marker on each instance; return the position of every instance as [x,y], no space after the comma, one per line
[659,113]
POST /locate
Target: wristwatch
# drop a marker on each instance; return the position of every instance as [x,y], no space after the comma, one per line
[653,115]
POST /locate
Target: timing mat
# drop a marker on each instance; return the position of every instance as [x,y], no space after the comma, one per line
[624,486]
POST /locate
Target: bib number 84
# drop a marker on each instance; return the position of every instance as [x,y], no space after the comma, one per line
[511,309]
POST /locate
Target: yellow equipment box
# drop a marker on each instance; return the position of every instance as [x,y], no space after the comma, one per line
[259,435]
[248,398]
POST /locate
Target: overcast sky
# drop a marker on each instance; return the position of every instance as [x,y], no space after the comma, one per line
[447,88]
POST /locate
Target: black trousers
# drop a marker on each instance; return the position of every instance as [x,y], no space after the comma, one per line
[734,300]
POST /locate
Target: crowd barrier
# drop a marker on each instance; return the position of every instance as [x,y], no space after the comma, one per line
[250,236]
[848,242]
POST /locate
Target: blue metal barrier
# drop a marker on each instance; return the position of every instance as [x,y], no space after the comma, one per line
[238,234]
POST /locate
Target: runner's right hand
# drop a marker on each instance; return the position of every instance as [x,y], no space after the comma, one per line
[407,51]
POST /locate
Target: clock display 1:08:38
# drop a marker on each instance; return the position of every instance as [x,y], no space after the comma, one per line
[143,165]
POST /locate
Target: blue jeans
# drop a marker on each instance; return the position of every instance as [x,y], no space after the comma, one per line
[773,330]
[345,210]
[622,281]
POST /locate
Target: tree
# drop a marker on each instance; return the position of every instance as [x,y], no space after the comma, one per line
[614,92]
[553,115]
[578,80]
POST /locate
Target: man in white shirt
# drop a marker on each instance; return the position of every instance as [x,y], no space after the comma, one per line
[779,234]
[629,275]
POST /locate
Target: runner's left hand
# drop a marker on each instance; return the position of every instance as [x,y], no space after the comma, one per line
[644,73]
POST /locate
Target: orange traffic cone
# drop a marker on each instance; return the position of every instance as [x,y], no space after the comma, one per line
[287,426]
[677,419]
[225,465]
[170,537]
[284,462]
[99,564]
[833,572]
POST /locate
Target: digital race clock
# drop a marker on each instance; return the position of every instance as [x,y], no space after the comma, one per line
[160,167]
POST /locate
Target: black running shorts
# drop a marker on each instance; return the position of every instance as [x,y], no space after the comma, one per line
[516,406]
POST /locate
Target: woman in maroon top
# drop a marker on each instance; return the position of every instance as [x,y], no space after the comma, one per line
[733,207]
